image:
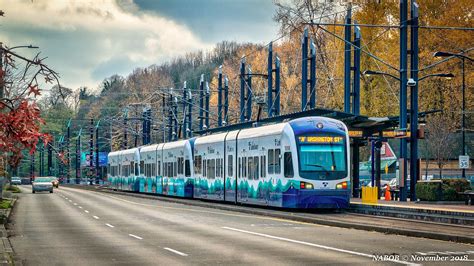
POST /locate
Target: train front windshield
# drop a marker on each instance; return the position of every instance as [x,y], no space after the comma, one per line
[322,158]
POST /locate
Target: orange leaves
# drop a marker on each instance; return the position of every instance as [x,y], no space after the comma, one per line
[33,89]
[20,130]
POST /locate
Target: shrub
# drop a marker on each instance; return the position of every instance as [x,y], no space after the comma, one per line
[13,189]
[449,190]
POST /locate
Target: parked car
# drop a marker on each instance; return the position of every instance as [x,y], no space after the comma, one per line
[26,181]
[16,180]
[42,184]
[55,182]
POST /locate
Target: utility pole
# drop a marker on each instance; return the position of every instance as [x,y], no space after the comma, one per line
[201,103]
[304,70]
[208,95]
[68,142]
[219,97]
[242,90]
[78,157]
[249,95]
[347,59]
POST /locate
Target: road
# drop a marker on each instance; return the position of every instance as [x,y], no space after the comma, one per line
[81,227]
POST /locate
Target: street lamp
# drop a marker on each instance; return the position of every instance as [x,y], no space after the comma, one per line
[23,46]
[463,117]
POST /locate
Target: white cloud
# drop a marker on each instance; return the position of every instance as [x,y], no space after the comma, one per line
[80,36]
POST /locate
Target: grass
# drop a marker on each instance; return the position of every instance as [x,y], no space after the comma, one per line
[5,204]
[13,189]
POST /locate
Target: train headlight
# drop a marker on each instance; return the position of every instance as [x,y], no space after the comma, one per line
[342,185]
[305,185]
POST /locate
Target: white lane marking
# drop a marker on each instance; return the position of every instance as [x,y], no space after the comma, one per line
[86,211]
[79,207]
[70,200]
[109,225]
[137,237]
[177,252]
[75,204]
[313,245]
[96,217]
[66,198]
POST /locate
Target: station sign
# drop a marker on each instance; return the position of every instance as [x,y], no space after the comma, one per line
[321,139]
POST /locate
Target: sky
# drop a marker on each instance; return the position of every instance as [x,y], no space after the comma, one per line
[87,41]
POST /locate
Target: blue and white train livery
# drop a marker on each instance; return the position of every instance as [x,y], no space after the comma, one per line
[302,163]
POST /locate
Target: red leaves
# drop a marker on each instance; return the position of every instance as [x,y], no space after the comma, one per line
[35,90]
[20,130]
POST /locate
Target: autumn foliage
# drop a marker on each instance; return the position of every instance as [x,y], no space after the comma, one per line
[20,130]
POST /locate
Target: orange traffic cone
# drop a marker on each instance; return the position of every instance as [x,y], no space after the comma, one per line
[387,193]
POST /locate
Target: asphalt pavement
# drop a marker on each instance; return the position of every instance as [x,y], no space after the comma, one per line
[82,227]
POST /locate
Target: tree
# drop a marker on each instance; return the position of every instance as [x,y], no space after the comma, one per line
[20,116]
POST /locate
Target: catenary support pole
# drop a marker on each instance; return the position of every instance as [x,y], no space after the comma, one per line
[312,75]
[403,94]
[347,59]
[356,69]
[219,97]
[270,80]
[414,101]
[242,90]
[201,103]
[248,117]
[208,95]
[277,86]
[226,100]
[304,70]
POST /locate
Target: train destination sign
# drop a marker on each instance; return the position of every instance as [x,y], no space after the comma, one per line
[321,139]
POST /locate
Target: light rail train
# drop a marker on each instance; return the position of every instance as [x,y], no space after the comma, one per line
[303,163]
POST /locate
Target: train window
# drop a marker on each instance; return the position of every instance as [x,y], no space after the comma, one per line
[271,161]
[180,165]
[218,165]
[204,168]
[197,164]
[211,168]
[244,171]
[288,165]
[142,167]
[277,161]
[240,168]
[159,168]
[250,167]
[262,166]
[256,167]
[153,170]
[230,162]
[187,168]
[222,168]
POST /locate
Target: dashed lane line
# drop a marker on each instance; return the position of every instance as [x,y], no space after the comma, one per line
[96,217]
[109,225]
[312,245]
[86,211]
[134,236]
[177,252]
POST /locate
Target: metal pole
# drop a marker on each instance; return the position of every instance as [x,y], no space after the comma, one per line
[372,161]
[144,126]
[170,116]
[270,80]
[163,117]
[68,143]
[175,118]
[463,122]
[403,93]
[125,144]
[91,150]
[304,70]
[226,100]
[189,129]
[242,90]
[355,169]
[414,101]
[185,114]
[50,159]
[219,97]
[201,103]
[312,76]
[277,86]
[97,166]
[347,60]
[356,81]
[208,95]
[78,157]
[249,95]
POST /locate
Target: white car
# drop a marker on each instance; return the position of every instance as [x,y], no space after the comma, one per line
[42,184]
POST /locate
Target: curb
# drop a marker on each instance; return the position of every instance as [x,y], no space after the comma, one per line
[296,217]
[6,249]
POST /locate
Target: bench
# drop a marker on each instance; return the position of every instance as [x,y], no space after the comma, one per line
[468,196]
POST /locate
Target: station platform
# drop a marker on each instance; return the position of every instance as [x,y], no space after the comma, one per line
[453,213]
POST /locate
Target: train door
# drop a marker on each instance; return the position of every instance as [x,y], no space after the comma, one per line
[231,167]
